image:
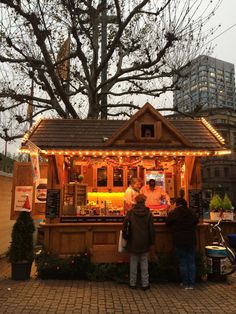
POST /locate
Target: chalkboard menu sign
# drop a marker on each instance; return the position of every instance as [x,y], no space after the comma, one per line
[195,202]
[52,203]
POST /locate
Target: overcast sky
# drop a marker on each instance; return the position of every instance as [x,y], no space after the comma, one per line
[224,44]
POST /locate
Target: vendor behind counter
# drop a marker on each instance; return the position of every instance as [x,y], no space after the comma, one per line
[155,195]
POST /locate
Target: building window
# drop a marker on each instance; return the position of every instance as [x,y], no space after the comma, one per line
[202,67]
[226,171]
[234,139]
[208,171]
[228,74]
[194,87]
[227,79]
[217,172]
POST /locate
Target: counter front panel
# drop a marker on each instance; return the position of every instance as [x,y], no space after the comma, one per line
[101,239]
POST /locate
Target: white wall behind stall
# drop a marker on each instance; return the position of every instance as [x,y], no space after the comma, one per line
[5,210]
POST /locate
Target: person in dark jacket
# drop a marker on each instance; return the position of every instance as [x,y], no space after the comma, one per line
[140,241]
[182,222]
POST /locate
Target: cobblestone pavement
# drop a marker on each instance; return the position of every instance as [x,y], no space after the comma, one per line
[60,296]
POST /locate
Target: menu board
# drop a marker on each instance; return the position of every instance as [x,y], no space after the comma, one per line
[52,203]
[195,202]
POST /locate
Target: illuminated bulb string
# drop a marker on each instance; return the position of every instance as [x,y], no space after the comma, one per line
[213,131]
[143,154]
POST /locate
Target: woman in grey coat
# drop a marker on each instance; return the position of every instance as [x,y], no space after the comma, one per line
[141,238]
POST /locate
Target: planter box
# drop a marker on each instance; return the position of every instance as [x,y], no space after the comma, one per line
[228,216]
[20,271]
[214,215]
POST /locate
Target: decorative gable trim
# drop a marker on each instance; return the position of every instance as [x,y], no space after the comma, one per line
[158,127]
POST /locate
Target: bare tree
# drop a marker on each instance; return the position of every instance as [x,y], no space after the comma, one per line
[53,48]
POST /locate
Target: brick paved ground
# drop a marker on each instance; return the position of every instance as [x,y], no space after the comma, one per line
[54,296]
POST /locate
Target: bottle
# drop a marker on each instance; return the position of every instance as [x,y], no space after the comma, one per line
[102,208]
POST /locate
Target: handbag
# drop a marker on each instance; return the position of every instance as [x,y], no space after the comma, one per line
[127,229]
[122,243]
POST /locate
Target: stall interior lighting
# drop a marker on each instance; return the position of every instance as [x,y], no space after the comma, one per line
[213,131]
[115,199]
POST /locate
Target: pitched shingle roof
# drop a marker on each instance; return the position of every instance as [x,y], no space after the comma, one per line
[70,133]
[197,133]
[91,134]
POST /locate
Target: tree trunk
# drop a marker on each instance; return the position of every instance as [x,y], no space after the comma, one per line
[93,112]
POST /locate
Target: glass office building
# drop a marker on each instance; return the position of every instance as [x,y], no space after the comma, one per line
[207,82]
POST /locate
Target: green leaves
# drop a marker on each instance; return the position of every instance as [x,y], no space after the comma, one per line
[226,203]
[22,248]
[217,203]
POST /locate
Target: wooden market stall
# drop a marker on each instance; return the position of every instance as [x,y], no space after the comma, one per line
[89,164]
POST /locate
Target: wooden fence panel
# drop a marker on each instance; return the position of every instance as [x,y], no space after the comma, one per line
[5,207]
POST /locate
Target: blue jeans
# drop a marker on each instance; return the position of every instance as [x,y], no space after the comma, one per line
[143,260]
[187,266]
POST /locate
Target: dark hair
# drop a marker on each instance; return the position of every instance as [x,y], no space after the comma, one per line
[152,181]
[180,201]
[141,198]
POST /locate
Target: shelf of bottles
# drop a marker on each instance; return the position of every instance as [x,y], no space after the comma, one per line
[74,197]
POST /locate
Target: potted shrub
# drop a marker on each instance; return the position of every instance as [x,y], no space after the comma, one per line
[80,178]
[215,207]
[227,208]
[21,252]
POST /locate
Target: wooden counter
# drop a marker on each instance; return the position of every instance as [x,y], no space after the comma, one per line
[101,239]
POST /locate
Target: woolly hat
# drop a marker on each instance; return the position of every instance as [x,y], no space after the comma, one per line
[180,202]
[26,206]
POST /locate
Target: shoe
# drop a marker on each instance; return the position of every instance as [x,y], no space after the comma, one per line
[133,287]
[146,288]
[188,287]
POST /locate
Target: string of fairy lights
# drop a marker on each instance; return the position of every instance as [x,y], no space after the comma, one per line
[96,154]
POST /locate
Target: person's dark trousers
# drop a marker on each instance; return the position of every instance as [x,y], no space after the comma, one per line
[187,266]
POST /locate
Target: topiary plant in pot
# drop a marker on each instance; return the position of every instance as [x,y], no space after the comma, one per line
[21,252]
[215,207]
[227,208]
